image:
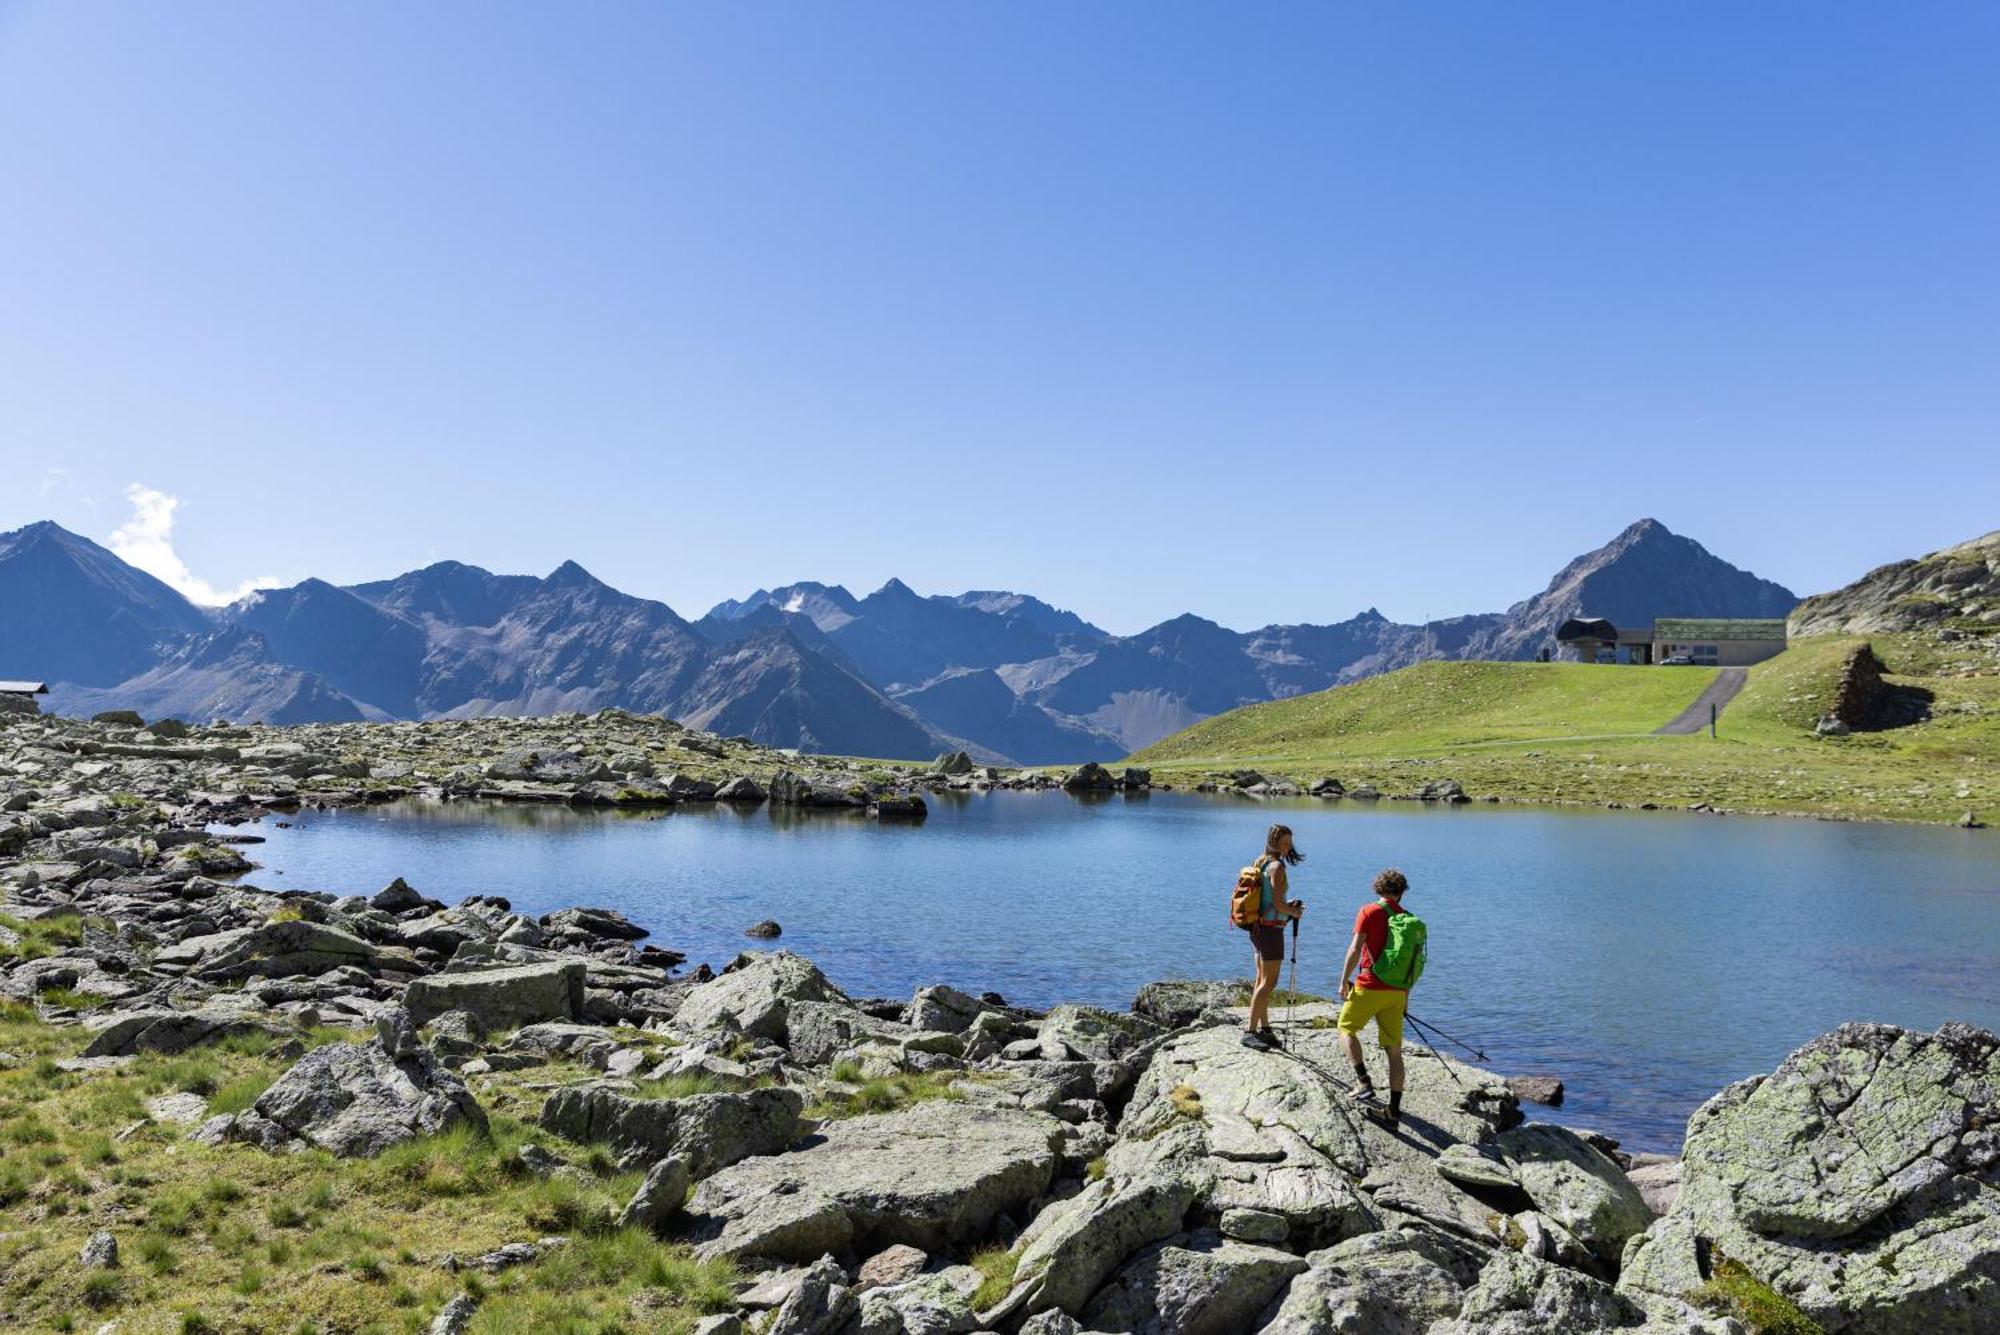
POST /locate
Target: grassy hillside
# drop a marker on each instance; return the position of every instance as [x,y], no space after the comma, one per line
[1572,733]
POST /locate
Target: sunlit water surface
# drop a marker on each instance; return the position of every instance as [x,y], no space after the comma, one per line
[1646,958]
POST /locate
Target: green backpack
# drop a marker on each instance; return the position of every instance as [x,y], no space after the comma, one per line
[1401,962]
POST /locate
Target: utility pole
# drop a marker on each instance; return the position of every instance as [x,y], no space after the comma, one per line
[1711,719]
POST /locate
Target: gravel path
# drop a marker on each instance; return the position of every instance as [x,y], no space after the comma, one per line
[1728,681]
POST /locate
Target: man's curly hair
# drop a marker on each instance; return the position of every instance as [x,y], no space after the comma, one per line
[1391,883]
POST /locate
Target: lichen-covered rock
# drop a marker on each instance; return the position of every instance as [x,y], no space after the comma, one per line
[757,998]
[359,1099]
[1074,1245]
[273,950]
[1396,1282]
[708,1131]
[1577,1185]
[660,1197]
[934,1175]
[1193,1284]
[1861,1180]
[502,998]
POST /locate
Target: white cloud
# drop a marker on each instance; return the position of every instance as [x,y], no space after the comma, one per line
[51,479]
[146,541]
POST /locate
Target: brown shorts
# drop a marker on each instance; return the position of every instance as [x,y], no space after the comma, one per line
[1269,938]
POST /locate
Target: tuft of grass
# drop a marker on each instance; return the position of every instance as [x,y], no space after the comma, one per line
[683,1085]
[848,1072]
[1733,1291]
[996,1266]
[883,1095]
[1186,1100]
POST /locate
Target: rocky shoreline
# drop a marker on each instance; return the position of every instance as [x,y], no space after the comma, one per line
[842,1165]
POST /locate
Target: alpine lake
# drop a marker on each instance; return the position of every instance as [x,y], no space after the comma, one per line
[1645,958]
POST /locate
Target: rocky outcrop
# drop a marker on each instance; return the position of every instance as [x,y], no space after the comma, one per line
[1959,584]
[756,998]
[504,997]
[1861,1180]
[940,1174]
[706,1131]
[356,1100]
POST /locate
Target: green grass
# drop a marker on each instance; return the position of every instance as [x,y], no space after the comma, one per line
[887,1094]
[1734,1291]
[996,1266]
[1571,733]
[243,1240]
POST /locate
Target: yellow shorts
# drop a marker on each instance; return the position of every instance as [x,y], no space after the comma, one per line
[1385,1006]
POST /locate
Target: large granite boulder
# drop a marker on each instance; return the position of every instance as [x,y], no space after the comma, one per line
[757,998]
[356,1100]
[1861,1180]
[157,1029]
[707,1131]
[1073,1246]
[1577,1185]
[1193,1284]
[502,998]
[1396,1282]
[936,1175]
[272,950]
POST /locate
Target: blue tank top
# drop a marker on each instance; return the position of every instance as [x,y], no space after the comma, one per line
[1267,911]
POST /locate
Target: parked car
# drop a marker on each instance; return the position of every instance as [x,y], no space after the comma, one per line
[1677,660]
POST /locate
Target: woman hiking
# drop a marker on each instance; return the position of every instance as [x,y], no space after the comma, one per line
[1268,936]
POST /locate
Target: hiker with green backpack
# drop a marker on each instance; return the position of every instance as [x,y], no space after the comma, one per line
[1389,946]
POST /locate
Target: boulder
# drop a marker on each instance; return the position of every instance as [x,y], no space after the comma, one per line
[1395,1282]
[1192,1284]
[892,1265]
[1088,777]
[708,1131]
[502,998]
[944,1010]
[126,1033]
[1518,1295]
[273,950]
[100,1251]
[767,930]
[1098,1035]
[1861,1180]
[899,807]
[592,925]
[821,1303]
[660,1197]
[954,762]
[756,998]
[1543,1089]
[1577,1185]
[819,1031]
[1659,1182]
[356,1100]
[1175,1004]
[939,1174]
[455,1317]
[1443,790]
[742,788]
[1073,1246]
[398,897]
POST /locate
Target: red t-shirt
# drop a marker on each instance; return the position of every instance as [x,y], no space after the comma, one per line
[1371,924]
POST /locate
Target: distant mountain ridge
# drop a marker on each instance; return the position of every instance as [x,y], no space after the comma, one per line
[896,674]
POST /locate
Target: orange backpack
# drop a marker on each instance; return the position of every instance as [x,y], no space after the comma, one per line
[1246,898]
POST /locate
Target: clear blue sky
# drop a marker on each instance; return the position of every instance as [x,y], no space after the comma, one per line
[1265,312]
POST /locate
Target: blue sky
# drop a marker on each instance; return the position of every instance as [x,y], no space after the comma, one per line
[1267,313]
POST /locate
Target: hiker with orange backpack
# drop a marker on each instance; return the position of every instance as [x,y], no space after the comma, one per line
[1259,905]
[1389,944]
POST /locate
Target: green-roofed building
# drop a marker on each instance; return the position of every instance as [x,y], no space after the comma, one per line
[1702,641]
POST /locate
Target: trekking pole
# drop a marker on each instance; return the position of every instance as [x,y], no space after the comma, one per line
[1448,1038]
[1292,996]
[1443,1060]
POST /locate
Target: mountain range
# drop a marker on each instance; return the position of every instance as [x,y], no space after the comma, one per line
[894,674]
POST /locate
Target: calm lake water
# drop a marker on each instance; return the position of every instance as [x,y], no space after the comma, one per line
[1646,958]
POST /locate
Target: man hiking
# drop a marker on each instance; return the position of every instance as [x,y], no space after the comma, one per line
[1267,929]
[1381,946]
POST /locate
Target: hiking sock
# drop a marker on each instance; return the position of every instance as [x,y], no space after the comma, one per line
[1361,1074]
[1395,1104]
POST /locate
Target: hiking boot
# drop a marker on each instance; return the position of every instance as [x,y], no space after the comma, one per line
[1256,1038]
[1270,1036]
[1381,1116]
[1363,1094]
